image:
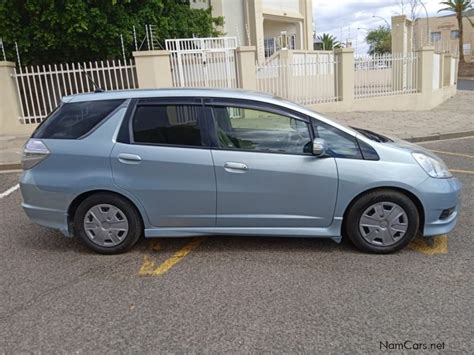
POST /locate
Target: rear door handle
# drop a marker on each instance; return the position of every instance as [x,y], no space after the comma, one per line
[233,167]
[129,158]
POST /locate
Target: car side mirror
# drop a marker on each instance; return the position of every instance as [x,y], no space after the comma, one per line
[319,147]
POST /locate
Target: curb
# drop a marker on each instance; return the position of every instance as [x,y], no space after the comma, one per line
[436,137]
[440,137]
[10,166]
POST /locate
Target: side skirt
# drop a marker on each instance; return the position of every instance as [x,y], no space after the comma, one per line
[333,231]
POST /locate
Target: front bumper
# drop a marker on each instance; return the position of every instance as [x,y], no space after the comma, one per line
[436,196]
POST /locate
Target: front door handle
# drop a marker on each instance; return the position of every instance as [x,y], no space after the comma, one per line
[129,158]
[233,167]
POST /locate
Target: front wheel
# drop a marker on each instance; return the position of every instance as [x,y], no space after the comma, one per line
[108,223]
[382,221]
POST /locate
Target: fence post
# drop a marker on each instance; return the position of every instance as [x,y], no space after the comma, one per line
[401,34]
[446,78]
[153,69]
[345,74]
[246,70]
[425,70]
[10,110]
[286,66]
[441,70]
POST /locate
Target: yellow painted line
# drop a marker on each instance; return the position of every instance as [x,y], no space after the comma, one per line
[451,153]
[462,171]
[149,267]
[439,246]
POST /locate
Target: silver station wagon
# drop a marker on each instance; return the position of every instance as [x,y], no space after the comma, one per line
[110,167]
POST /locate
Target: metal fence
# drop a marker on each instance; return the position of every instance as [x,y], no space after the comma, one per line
[386,74]
[203,62]
[40,88]
[308,79]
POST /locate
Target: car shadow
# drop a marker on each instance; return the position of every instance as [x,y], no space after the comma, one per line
[248,244]
[41,239]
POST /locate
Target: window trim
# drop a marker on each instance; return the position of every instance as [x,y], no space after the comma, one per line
[257,105]
[127,124]
[209,105]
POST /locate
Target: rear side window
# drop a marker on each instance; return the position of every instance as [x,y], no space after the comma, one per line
[73,120]
[167,125]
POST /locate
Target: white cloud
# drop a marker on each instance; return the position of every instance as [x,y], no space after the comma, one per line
[350,19]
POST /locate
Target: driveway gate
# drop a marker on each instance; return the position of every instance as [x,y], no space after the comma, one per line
[203,62]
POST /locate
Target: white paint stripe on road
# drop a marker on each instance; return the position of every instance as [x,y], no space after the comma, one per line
[9,191]
[10,171]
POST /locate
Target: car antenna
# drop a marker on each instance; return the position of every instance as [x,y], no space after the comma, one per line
[97,88]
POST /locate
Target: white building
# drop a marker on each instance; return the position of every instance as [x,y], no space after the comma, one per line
[268,25]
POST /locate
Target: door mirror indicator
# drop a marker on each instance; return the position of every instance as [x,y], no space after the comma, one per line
[319,147]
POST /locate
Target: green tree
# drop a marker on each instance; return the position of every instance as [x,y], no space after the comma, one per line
[379,40]
[329,42]
[458,7]
[52,31]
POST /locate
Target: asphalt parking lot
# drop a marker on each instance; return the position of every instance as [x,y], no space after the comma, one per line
[236,294]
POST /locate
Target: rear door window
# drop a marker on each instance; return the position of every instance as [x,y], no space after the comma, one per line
[176,125]
[73,120]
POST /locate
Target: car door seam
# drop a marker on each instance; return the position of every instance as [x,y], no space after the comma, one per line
[215,185]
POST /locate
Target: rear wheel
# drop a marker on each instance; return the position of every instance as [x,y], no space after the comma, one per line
[108,223]
[382,221]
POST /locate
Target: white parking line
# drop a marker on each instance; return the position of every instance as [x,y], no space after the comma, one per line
[10,171]
[9,191]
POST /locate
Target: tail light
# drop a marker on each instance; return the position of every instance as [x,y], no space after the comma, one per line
[34,152]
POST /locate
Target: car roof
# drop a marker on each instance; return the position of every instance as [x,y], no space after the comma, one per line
[172,92]
[203,93]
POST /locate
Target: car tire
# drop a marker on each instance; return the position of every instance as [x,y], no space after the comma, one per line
[372,224]
[108,223]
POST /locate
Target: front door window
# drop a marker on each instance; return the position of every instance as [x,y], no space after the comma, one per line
[261,131]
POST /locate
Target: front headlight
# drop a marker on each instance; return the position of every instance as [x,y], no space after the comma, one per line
[433,167]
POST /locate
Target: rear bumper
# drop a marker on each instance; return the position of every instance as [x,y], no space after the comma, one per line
[48,217]
[45,207]
[438,195]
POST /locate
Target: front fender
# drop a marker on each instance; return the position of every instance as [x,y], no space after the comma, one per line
[359,176]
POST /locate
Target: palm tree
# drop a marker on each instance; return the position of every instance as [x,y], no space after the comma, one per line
[329,42]
[458,7]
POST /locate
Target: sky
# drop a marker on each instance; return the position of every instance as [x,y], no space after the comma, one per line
[350,19]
